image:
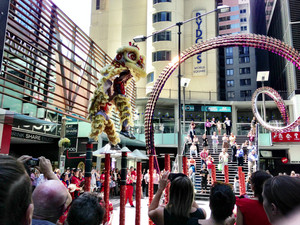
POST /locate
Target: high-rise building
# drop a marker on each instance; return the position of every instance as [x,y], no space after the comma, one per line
[239,73]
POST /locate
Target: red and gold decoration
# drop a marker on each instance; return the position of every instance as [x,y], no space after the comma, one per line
[150,187]
[167,168]
[138,194]
[226,174]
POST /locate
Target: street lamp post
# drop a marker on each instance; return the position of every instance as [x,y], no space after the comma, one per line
[141,38]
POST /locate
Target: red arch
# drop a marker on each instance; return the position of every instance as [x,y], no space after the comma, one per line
[250,40]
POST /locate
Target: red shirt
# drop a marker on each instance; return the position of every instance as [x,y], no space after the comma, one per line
[253,211]
[209,164]
[75,180]
[203,154]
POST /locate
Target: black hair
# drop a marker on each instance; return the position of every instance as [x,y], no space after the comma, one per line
[86,209]
[15,191]
[257,180]
[284,192]
[222,201]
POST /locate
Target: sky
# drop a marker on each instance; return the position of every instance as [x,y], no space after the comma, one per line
[77,10]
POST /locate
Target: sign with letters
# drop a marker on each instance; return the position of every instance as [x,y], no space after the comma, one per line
[286,137]
[71,133]
[199,35]
[211,108]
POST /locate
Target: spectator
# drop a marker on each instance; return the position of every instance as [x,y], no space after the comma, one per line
[181,208]
[251,136]
[207,127]
[147,178]
[228,125]
[252,159]
[86,209]
[215,142]
[76,180]
[213,125]
[219,127]
[232,142]
[64,178]
[281,195]
[192,163]
[50,198]
[205,141]
[155,181]
[253,125]
[250,210]
[221,203]
[203,174]
[223,159]
[209,162]
[15,194]
[193,149]
[293,174]
[251,147]
[203,156]
[225,143]
[192,130]
[240,155]
[245,149]
[236,184]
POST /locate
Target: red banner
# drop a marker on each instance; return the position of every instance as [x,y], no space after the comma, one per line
[286,137]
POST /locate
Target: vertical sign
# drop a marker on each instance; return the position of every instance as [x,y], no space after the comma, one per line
[71,133]
[199,35]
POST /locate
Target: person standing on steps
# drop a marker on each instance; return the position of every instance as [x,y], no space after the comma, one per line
[203,174]
[215,142]
[245,149]
[228,125]
[213,125]
[193,149]
[207,127]
[225,143]
[223,159]
[209,162]
[192,130]
[240,155]
[219,127]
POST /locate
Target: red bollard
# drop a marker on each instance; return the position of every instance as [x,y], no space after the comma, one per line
[240,173]
[213,174]
[167,168]
[150,187]
[184,165]
[226,176]
[106,185]
[138,193]
[123,188]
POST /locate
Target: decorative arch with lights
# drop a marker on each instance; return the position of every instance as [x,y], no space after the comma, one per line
[250,40]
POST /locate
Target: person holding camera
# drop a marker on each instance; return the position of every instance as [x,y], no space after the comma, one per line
[181,208]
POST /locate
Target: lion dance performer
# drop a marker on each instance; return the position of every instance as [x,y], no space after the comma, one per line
[110,89]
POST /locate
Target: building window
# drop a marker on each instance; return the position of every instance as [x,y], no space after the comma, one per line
[243,20]
[150,77]
[161,16]
[243,50]
[158,1]
[243,11]
[243,28]
[229,51]
[230,83]
[246,93]
[230,94]
[245,70]
[244,59]
[225,18]
[229,61]
[162,36]
[229,26]
[97,4]
[245,82]
[229,72]
[161,56]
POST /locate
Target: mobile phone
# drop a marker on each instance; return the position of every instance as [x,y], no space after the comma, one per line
[33,162]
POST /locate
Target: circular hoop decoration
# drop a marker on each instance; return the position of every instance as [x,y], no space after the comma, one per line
[280,105]
[250,40]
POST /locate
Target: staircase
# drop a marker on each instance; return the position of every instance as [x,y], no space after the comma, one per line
[232,166]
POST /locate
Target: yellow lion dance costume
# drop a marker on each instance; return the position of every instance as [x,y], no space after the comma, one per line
[110,89]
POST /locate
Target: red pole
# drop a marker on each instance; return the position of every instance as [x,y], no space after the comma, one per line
[226,174]
[138,193]
[106,185]
[184,164]
[213,174]
[167,168]
[123,188]
[150,187]
[242,184]
[240,173]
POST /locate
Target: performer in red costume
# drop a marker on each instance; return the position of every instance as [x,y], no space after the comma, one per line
[129,188]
